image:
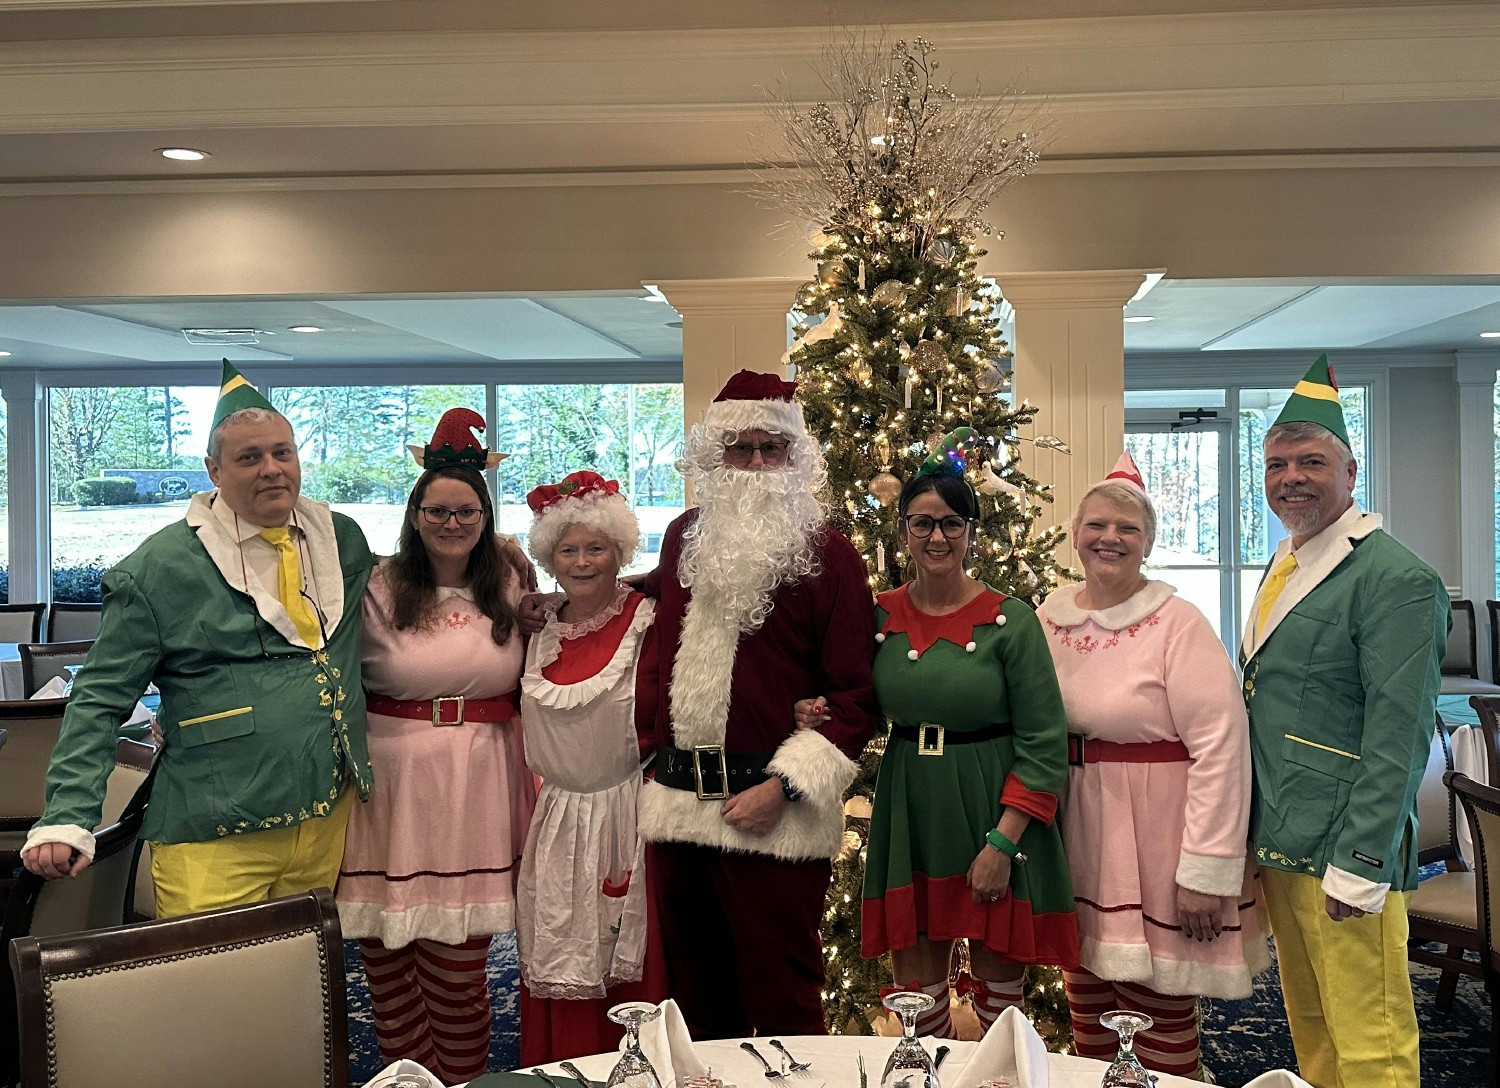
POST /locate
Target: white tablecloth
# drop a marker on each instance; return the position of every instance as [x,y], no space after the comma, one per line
[834,1060]
[10,672]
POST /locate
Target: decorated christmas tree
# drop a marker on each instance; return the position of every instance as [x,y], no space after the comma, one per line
[896,171]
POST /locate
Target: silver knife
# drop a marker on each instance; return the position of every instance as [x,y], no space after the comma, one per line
[572,1071]
[538,1072]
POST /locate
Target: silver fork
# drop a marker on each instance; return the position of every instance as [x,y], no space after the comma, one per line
[794,1064]
[539,1072]
[770,1072]
[573,1071]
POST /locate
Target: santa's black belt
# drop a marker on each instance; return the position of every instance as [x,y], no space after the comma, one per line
[930,739]
[710,772]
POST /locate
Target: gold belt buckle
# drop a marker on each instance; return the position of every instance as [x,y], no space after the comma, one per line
[716,752]
[930,739]
[458,709]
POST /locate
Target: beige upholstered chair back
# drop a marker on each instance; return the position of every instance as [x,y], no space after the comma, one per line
[1436,808]
[240,998]
[31,728]
[132,766]
[73,622]
[21,622]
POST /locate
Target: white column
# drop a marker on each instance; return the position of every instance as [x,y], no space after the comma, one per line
[29,511]
[728,326]
[1476,487]
[1070,364]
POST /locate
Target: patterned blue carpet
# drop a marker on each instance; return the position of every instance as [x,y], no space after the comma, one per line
[1241,1038]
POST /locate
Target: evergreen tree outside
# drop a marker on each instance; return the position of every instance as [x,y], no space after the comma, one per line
[898,172]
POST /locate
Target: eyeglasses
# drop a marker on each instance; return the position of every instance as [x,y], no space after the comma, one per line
[921,526]
[742,453]
[439,515]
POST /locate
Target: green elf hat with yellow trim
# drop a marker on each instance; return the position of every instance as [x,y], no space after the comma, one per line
[1315,399]
[235,393]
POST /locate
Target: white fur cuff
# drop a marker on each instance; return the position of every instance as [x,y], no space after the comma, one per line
[1358,892]
[78,838]
[1210,876]
[805,832]
[815,768]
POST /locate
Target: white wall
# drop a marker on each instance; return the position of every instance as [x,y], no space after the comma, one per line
[1422,505]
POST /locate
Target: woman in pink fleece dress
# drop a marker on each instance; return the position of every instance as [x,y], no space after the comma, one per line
[1157,807]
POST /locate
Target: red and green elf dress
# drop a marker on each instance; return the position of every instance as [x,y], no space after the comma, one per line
[982,669]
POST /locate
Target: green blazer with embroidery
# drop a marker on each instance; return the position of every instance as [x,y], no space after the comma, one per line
[257,733]
[1341,700]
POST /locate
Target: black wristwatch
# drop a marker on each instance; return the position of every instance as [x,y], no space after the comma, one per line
[792,792]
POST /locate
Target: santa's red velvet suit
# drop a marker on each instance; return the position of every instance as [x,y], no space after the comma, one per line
[738,908]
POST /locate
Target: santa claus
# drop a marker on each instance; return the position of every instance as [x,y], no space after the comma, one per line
[761,604]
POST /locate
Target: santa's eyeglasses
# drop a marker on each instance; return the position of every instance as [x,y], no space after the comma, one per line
[772,452]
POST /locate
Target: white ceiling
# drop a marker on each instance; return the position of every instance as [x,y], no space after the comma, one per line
[1189,315]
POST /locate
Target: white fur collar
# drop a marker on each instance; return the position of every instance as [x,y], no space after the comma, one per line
[1062,606]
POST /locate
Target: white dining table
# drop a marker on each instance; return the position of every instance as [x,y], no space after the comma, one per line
[834,1061]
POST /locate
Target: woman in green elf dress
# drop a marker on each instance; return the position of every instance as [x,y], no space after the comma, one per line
[962,840]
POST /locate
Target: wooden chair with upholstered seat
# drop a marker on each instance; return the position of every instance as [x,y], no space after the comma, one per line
[31,726]
[41,661]
[1481,805]
[245,997]
[1487,709]
[73,622]
[1441,910]
[98,897]
[21,622]
[1460,665]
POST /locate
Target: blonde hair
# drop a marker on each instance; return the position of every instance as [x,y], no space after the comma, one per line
[1122,493]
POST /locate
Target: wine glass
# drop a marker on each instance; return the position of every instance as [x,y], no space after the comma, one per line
[72,671]
[909,1066]
[633,1070]
[1126,1071]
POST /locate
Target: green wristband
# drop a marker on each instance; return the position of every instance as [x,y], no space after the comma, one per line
[1001,843]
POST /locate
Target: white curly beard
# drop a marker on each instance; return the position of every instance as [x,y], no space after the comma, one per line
[756,532]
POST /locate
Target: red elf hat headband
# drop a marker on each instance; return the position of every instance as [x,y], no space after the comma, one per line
[455,444]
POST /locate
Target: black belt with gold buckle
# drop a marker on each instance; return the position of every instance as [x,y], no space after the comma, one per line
[930,739]
[710,772]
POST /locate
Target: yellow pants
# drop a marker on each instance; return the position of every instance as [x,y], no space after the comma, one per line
[1346,986]
[241,869]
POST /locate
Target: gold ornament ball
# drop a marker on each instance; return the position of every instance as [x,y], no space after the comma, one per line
[885,488]
[928,357]
[891,291]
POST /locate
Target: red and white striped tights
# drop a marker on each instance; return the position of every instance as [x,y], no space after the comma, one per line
[432,1005]
[990,1000]
[1171,1046]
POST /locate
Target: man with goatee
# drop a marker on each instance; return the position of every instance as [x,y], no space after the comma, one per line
[761,604]
[1341,655]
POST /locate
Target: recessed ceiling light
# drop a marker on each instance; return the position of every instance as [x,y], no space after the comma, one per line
[305,328]
[4,355]
[182,154]
[1490,335]
[1138,320]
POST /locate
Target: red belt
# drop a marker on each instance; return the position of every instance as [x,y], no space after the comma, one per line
[1083,750]
[446,709]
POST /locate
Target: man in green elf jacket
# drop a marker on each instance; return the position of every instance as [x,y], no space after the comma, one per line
[246,616]
[1340,657]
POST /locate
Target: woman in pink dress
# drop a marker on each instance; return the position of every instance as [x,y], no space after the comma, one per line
[430,862]
[585,924]
[1158,796]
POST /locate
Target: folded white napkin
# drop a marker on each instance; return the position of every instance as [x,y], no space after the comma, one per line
[1278,1078]
[52,689]
[669,1048]
[387,1077]
[1011,1050]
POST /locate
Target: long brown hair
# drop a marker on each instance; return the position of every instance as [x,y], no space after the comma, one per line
[413,586]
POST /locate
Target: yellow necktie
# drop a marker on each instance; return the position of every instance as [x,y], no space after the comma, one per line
[289,589]
[1272,589]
